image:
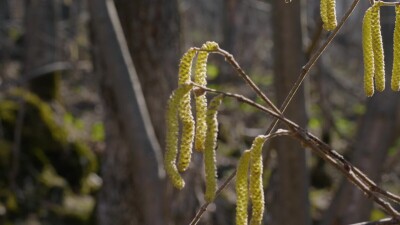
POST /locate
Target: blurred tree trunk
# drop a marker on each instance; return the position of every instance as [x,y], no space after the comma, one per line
[290,204]
[132,187]
[152,29]
[42,46]
[376,134]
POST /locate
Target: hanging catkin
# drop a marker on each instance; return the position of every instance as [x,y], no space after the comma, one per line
[368,53]
[172,136]
[185,112]
[396,52]
[201,100]
[256,185]
[242,189]
[328,14]
[210,145]
[377,46]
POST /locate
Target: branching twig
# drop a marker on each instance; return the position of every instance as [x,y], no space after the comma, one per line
[296,86]
[352,173]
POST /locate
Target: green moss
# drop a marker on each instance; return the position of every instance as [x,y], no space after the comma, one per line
[53,168]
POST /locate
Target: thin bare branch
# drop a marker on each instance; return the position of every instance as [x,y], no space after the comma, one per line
[386,221]
[352,173]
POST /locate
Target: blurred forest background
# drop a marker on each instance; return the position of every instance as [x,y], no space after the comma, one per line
[83,90]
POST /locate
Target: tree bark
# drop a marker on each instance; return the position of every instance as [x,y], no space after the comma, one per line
[41,44]
[290,204]
[376,134]
[152,30]
[131,192]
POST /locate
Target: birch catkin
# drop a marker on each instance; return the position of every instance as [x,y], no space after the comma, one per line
[172,136]
[256,185]
[210,145]
[185,111]
[328,14]
[201,100]
[368,53]
[242,189]
[395,83]
[377,46]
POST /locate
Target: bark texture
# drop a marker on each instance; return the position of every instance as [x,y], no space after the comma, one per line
[290,204]
[42,45]
[152,30]
[132,188]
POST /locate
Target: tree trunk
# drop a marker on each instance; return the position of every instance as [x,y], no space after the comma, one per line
[376,134]
[41,44]
[152,30]
[131,192]
[290,204]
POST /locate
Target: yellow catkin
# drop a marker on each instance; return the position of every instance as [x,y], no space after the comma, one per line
[324,12]
[328,14]
[185,66]
[256,185]
[368,53]
[242,189]
[172,126]
[377,46]
[396,52]
[201,100]
[210,145]
[185,112]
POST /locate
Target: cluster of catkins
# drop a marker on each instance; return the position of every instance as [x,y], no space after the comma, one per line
[203,133]
[374,65]
[179,109]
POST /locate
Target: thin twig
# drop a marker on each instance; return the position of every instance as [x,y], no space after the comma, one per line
[357,177]
[306,69]
[351,172]
[386,221]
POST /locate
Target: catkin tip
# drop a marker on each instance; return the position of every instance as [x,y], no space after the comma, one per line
[172,135]
[210,46]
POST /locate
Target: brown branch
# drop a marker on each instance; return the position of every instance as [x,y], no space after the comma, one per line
[352,173]
[306,68]
[320,148]
[386,221]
